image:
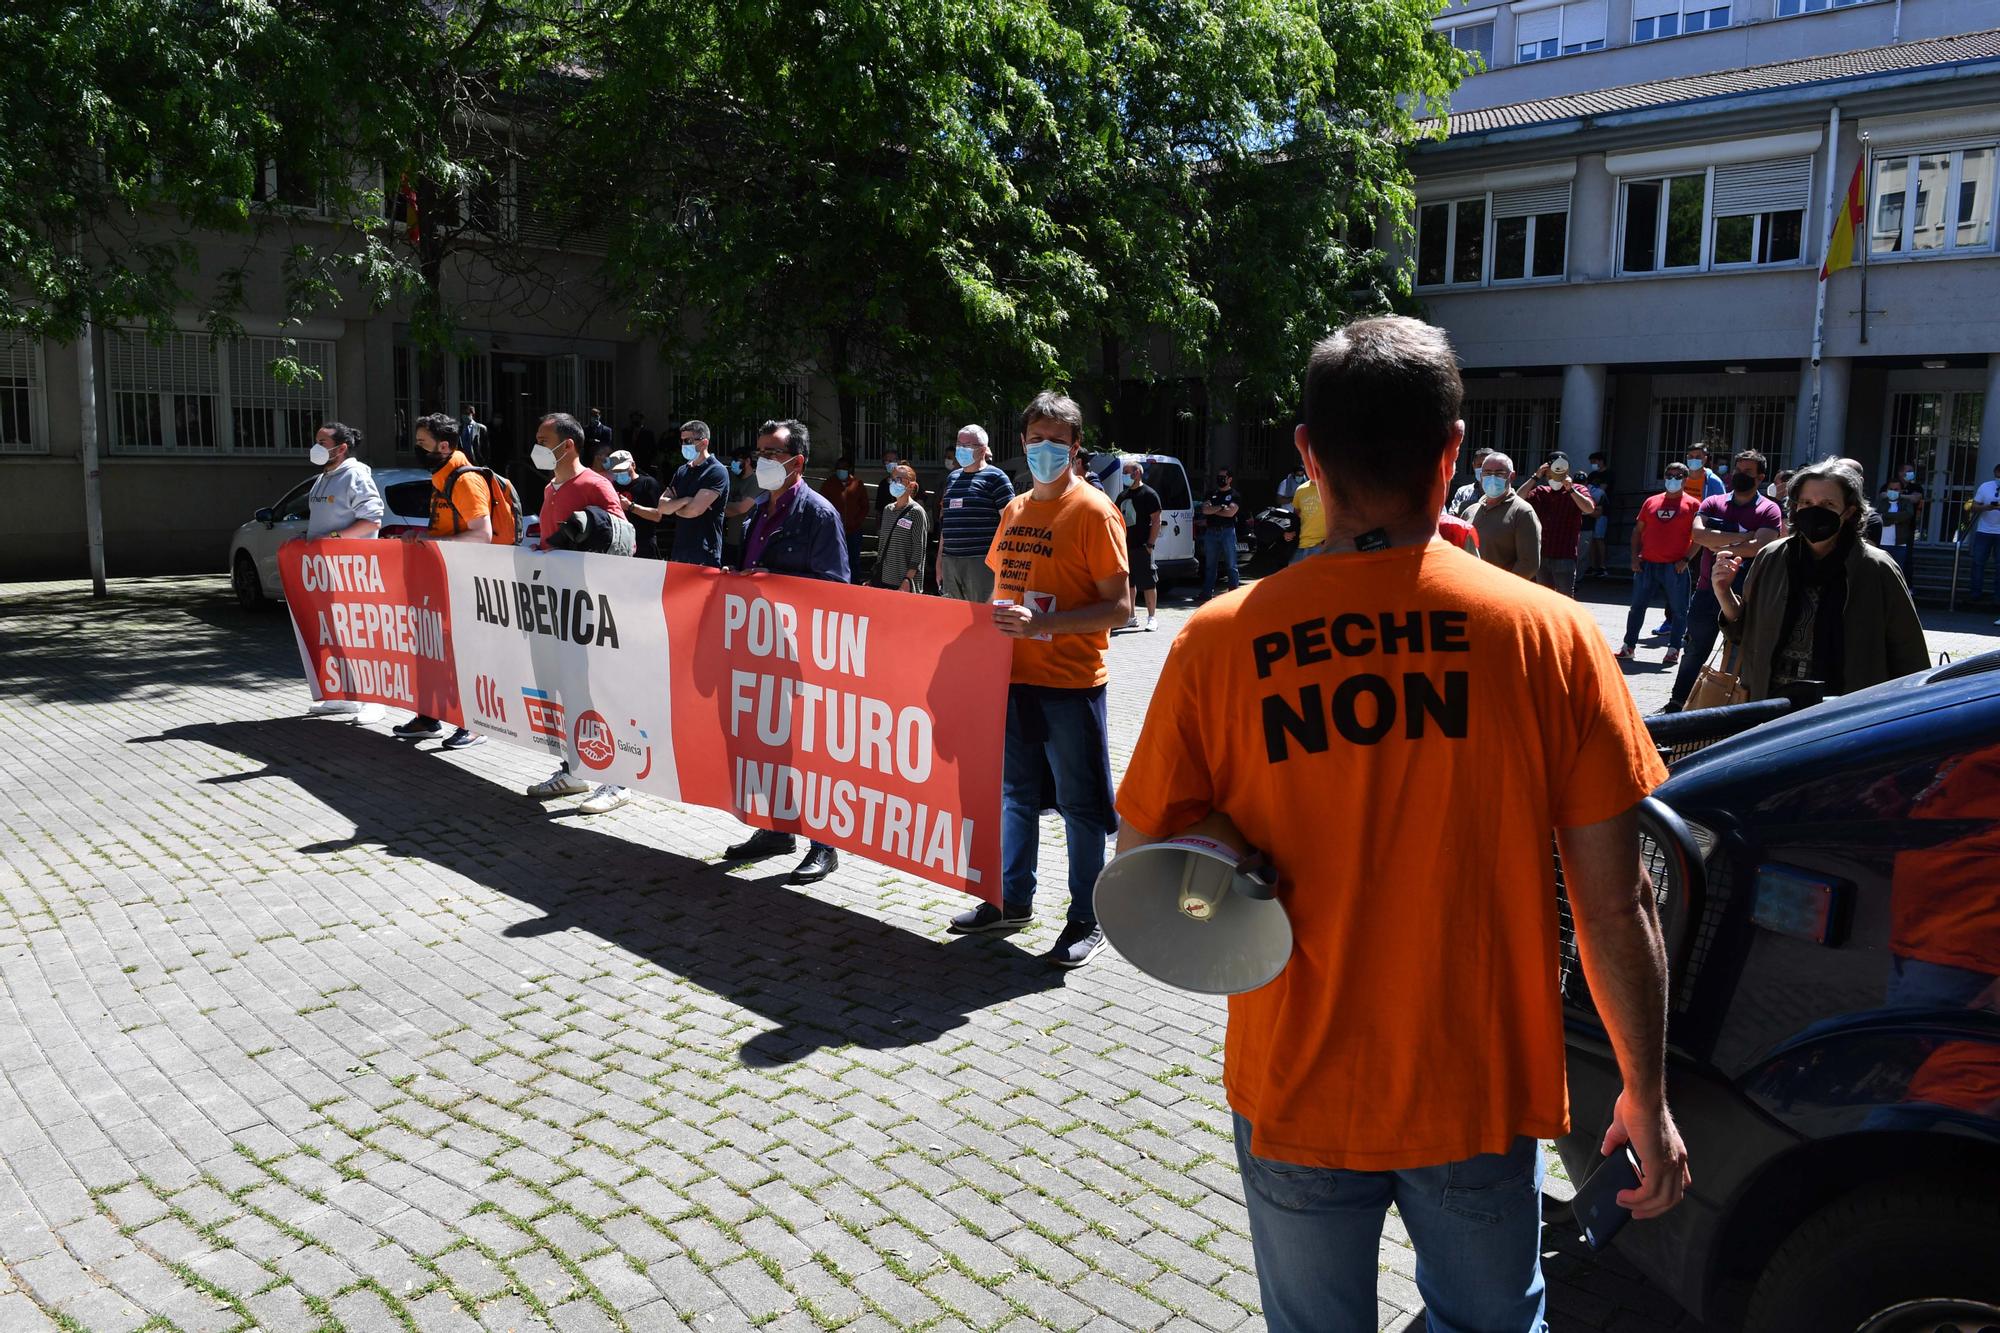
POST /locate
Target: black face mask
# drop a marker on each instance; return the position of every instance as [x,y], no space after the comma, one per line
[1815,523]
[1742,481]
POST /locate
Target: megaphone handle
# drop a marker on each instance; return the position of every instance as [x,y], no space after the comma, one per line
[1257,878]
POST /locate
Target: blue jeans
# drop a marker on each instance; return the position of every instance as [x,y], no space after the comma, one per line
[1058,751]
[1658,578]
[1985,545]
[1220,544]
[1704,623]
[1476,1225]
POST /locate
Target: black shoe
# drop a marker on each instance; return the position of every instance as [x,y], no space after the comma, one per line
[987,917]
[1077,945]
[463,740]
[762,843]
[418,729]
[820,862]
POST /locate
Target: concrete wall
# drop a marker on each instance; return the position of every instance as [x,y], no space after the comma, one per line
[1755,37]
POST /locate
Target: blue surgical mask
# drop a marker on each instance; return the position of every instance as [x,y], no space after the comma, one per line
[1695,465]
[1674,485]
[688,452]
[1493,484]
[622,478]
[896,488]
[965,455]
[889,465]
[1047,460]
[840,474]
[736,467]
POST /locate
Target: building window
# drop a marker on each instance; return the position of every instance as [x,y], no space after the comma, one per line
[1568,30]
[1739,215]
[1475,41]
[1762,422]
[192,394]
[1928,203]
[1528,237]
[23,409]
[1526,429]
[1654,19]
[1787,8]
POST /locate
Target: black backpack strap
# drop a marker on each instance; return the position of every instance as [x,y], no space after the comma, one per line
[451,484]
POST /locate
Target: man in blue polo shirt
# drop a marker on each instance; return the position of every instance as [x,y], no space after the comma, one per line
[968,516]
[794,530]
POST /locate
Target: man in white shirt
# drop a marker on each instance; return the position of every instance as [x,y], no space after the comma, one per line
[343,502]
[1986,534]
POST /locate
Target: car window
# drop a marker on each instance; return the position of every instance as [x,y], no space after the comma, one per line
[296,502]
[409,500]
[1171,483]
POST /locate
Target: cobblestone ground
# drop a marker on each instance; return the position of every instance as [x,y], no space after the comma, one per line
[309,1029]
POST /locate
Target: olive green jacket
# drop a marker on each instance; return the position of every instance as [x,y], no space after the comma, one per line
[1882,636]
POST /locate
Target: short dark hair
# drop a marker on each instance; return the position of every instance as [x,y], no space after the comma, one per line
[698,429]
[795,432]
[1752,456]
[439,427]
[1048,405]
[845,460]
[1382,402]
[597,411]
[341,432]
[566,427]
[465,408]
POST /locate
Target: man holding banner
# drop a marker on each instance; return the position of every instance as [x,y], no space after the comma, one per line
[1061,584]
[794,530]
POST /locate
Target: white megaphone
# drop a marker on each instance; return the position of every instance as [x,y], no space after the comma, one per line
[1196,914]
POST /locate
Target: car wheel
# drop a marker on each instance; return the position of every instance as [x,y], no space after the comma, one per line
[1894,1258]
[243,577]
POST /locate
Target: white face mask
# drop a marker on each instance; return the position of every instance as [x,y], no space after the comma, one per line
[544,457]
[318,454]
[770,473]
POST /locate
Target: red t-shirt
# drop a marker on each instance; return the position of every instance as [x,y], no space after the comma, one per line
[561,499]
[1666,527]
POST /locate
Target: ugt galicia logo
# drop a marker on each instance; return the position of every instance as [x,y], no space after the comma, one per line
[486,693]
[595,745]
[545,712]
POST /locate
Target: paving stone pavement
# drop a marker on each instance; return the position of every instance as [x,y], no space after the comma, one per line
[311,1029]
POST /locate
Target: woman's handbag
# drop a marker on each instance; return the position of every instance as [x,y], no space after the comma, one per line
[1716,685]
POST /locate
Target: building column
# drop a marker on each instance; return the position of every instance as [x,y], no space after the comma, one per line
[1989,423]
[1835,373]
[1582,431]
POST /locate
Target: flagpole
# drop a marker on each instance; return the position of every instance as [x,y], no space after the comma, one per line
[1866,239]
[1819,303]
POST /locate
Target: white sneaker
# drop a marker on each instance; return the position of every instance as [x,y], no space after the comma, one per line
[367,715]
[1152,623]
[562,782]
[1133,623]
[605,798]
[337,708]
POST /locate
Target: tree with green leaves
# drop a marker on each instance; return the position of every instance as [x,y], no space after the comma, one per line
[956,200]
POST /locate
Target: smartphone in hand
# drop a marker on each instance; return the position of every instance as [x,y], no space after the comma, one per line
[1596,1203]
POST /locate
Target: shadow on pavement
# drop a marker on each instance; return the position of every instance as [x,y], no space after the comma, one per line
[827,975]
[64,646]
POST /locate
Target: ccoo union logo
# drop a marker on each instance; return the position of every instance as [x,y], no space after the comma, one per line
[595,745]
[545,712]
[486,692]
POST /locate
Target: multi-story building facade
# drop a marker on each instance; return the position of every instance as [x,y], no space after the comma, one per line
[1624,228]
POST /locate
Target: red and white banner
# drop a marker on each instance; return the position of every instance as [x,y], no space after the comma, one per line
[870,720]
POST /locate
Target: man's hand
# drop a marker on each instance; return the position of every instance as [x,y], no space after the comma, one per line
[1016,622]
[625,503]
[1663,1159]
[1680,566]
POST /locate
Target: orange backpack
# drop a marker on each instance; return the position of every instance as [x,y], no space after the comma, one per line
[504,499]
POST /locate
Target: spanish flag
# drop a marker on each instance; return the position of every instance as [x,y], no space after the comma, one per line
[1846,236]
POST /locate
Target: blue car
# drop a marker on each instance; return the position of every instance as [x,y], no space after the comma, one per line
[1830,885]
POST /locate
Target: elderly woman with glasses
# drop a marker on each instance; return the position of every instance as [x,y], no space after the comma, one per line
[905,532]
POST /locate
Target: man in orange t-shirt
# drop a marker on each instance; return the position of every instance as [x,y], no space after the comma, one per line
[461,511]
[1059,585]
[1337,713]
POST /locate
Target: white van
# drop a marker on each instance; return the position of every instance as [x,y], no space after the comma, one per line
[1174,552]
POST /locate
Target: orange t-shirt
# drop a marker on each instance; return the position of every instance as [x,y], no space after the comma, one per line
[1399,730]
[468,502]
[1051,555]
[1943,907]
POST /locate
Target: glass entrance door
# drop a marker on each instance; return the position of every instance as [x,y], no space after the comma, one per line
[1937,432]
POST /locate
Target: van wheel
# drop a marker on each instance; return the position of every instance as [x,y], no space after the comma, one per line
[1894,1258]
[243,577]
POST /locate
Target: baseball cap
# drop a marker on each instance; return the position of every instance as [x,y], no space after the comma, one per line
[621,459]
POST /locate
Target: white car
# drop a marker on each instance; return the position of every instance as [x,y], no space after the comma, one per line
[1174,552]
[253,551]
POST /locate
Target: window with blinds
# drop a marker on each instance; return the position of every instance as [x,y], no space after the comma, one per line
[191,394]
[1759,212]
[1654,19]
[1566,30]
[23,410]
